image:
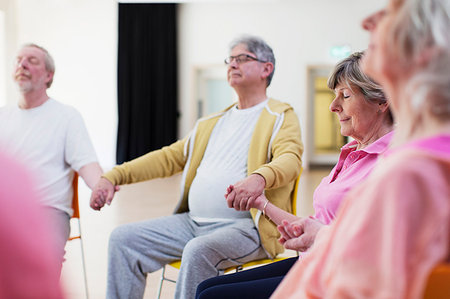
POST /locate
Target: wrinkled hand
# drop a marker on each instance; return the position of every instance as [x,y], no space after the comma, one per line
[102,194]
[300,234]
[243,195]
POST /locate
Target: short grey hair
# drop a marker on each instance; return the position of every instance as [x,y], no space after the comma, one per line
[48,60]
[422,26]
[349,72]
[258,47]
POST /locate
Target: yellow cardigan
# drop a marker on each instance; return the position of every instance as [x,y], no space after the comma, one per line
[275,153]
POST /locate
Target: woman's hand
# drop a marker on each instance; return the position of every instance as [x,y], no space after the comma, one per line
[300,234]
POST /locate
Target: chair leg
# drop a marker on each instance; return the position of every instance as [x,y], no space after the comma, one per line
[84,263]
[158,295]
[163,277]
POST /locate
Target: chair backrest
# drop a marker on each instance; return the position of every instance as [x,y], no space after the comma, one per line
[438,285]
[295,193]
[76,209]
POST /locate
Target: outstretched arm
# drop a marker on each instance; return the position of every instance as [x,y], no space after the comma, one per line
[91,173]
[261,203]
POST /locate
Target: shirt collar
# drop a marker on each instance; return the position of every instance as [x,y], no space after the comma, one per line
[377,147]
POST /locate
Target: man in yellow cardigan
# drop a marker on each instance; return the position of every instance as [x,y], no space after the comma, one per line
[255,145]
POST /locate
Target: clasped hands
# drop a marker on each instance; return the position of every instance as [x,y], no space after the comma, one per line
[297,235]
[247,193]
[102,194]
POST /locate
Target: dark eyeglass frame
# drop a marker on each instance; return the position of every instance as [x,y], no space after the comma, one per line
[242,58]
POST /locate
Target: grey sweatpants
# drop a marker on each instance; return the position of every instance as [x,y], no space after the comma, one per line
[139,248]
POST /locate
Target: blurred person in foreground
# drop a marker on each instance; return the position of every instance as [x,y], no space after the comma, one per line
[50,138]
[364,115]
[29,267]
[394,228]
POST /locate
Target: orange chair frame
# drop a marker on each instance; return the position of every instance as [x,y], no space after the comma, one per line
[76,215]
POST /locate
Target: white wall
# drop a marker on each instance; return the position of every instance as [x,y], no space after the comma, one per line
[82,37]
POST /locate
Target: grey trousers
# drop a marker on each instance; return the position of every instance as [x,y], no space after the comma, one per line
[206,249]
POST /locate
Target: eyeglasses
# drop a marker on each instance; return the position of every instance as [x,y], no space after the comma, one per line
[241,58]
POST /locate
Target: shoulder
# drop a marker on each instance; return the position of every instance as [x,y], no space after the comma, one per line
[278,107]
[61,107]
[412,172]
[64,112]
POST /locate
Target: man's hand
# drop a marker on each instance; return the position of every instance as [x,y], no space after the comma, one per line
[242,195]
[102,194]
[299,235]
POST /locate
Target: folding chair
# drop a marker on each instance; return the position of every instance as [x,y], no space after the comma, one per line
[76,216]
[438,285]
[177,264]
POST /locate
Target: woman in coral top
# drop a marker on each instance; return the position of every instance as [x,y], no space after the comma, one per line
[393,229]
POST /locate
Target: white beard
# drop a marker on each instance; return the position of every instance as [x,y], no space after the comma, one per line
[24,87]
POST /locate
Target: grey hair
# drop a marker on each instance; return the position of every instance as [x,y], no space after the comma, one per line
[48,60]
[349,72]
[422,29]
[258,47]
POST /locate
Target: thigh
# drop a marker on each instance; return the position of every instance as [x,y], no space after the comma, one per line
[161,239]
[228,244]
[258,289]
[60,224]
[275,269]
[256,275]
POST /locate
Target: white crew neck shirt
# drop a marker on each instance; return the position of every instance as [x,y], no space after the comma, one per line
[224,163]
[51,140]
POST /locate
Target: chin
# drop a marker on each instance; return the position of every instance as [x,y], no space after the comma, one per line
[24,88]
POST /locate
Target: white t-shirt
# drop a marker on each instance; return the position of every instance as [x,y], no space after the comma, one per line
[50,140]
[224,163]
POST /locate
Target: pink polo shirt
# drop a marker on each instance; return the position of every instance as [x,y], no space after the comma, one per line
[352,168]
[391,231]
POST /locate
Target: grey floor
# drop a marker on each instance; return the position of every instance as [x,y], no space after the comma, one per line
[133,203]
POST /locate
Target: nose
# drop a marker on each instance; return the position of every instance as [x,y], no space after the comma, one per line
[335,106]
[21,63]
[370,22]
[233,63]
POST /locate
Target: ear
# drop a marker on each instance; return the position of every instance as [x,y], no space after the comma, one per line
[49,77]
[267,70]
[383,107]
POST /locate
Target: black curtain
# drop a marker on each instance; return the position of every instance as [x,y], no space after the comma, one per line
[147,79]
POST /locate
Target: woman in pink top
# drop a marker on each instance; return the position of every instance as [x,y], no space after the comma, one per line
[393,229]
[364,115]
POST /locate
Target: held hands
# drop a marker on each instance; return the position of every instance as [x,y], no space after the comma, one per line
[300,234]
[102,193]
[245,194]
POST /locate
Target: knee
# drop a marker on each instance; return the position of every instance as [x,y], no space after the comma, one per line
[195,249]
[120,237]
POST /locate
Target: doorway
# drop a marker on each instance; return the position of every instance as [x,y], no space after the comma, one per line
[324,138]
